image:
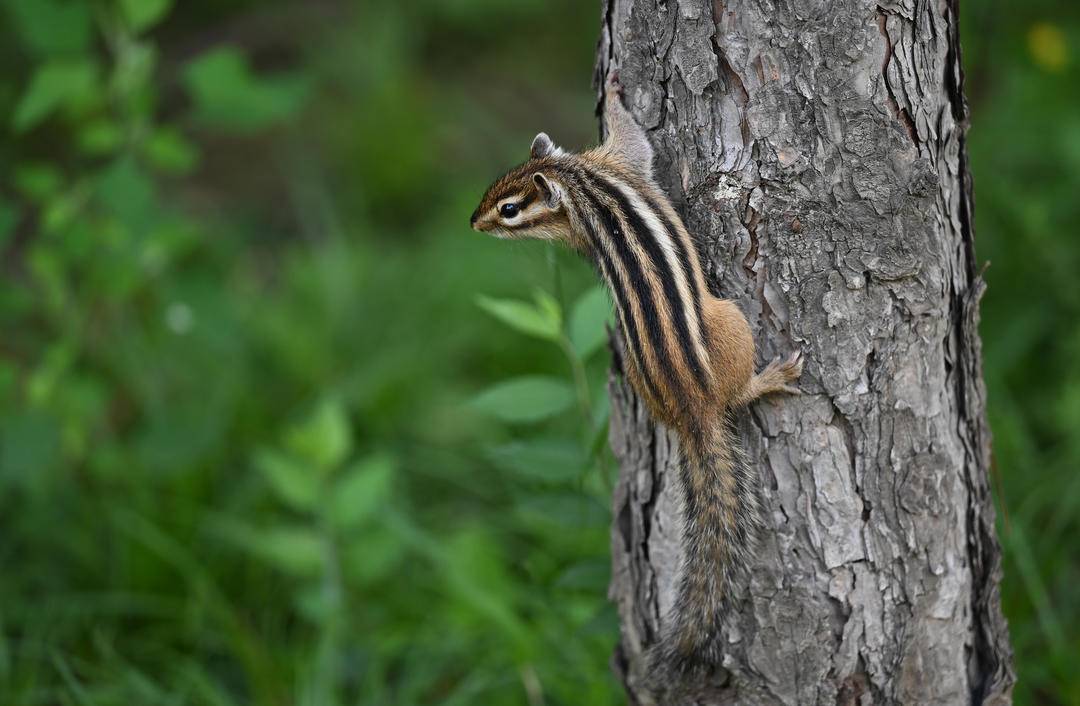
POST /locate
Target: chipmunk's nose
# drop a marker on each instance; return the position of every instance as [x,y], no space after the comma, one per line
[474,218]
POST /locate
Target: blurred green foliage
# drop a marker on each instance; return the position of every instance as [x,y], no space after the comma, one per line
[1023,84]
[276,428]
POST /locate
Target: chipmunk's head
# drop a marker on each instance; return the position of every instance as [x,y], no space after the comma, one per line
[528,202]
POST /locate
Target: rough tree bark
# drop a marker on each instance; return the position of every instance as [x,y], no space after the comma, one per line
[816,148]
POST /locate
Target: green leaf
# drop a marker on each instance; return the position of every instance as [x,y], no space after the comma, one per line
[548,306]
[128,193]
[54,84]
[540,459]
[591,314]
[50,373]
[227,95]
[538,320]
[296,485]
[297,550]
[141,15]
[61,211]
[100,137]
[525,399]
[51,27]
[362,491]
[171,152]
[325,438]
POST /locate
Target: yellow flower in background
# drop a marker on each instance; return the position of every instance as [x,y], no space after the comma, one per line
[1048,46]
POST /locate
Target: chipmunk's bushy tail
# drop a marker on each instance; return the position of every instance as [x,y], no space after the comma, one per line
[722,519]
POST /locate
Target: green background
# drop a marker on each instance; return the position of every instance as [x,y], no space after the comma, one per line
[276,427]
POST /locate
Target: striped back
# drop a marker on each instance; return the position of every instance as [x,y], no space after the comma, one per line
[645,255]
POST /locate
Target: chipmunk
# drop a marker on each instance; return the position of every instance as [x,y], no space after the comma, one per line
[690,356]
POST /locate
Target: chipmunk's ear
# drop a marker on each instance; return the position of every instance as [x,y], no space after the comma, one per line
[542,146]
[549,190]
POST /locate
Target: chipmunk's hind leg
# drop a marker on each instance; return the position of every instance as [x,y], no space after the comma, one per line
[623,137]
[776,377]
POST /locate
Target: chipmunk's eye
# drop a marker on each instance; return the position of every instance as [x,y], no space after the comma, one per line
[508,210]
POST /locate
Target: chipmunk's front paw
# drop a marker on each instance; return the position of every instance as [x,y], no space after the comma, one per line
[785,371]
[792,367]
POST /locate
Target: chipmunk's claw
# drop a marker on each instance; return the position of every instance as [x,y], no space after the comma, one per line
[793,366]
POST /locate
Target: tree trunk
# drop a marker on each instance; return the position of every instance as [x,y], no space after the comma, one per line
[816,149]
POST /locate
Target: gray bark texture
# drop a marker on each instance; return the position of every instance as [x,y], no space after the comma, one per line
[816,150]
